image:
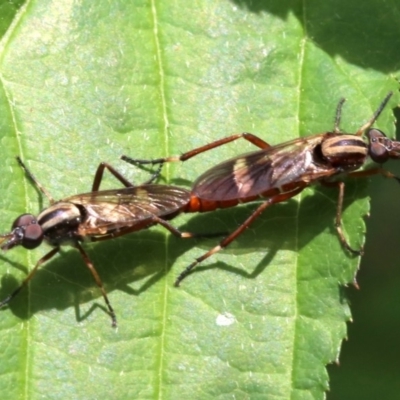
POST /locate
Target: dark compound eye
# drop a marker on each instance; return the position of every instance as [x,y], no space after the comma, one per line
[377,146]
[30,233]
[24,220]
[33,236]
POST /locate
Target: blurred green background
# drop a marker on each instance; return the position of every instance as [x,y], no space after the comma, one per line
[369,365]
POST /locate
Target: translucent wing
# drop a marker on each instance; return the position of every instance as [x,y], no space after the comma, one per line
[113,210]
[257,172]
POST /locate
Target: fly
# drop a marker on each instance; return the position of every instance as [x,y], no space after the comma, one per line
[277,173]
[94,216]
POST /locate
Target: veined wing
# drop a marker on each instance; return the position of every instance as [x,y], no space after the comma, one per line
[110,210]
[255,173]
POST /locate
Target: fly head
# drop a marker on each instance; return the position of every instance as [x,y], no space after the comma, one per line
[25,231]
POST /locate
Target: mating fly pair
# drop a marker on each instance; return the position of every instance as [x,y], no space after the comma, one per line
[277,173]
[94,216]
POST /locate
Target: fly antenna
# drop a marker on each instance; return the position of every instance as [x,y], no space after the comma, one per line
[375,116]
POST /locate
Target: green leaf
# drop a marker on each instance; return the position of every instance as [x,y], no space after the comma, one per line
[86,82]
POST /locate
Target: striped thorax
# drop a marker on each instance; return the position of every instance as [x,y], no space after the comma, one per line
[346,152]
[59,222]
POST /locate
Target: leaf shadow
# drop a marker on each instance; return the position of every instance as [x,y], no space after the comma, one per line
[9,9]
[339,28]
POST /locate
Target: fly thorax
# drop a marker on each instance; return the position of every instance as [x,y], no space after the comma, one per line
[345,152]
[60,222]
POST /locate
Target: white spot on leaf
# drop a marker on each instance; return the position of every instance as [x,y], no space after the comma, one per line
[225,319]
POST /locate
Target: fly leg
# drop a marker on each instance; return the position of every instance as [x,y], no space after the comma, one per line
[338,115]
[339,210]
[99,283]
[369,123]
[338,223]
[100,172]
[32,177]
[29,277]
[338,219]
[231,237]
[186,156]
[98,177]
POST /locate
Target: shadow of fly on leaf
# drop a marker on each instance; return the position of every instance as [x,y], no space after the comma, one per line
[95,216]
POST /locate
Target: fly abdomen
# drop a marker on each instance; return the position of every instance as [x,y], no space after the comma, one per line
[60,222]
[345,151]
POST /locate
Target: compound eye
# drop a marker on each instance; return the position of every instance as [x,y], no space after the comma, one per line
[24,220]
[33,236]
[377,149]
[27,231]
